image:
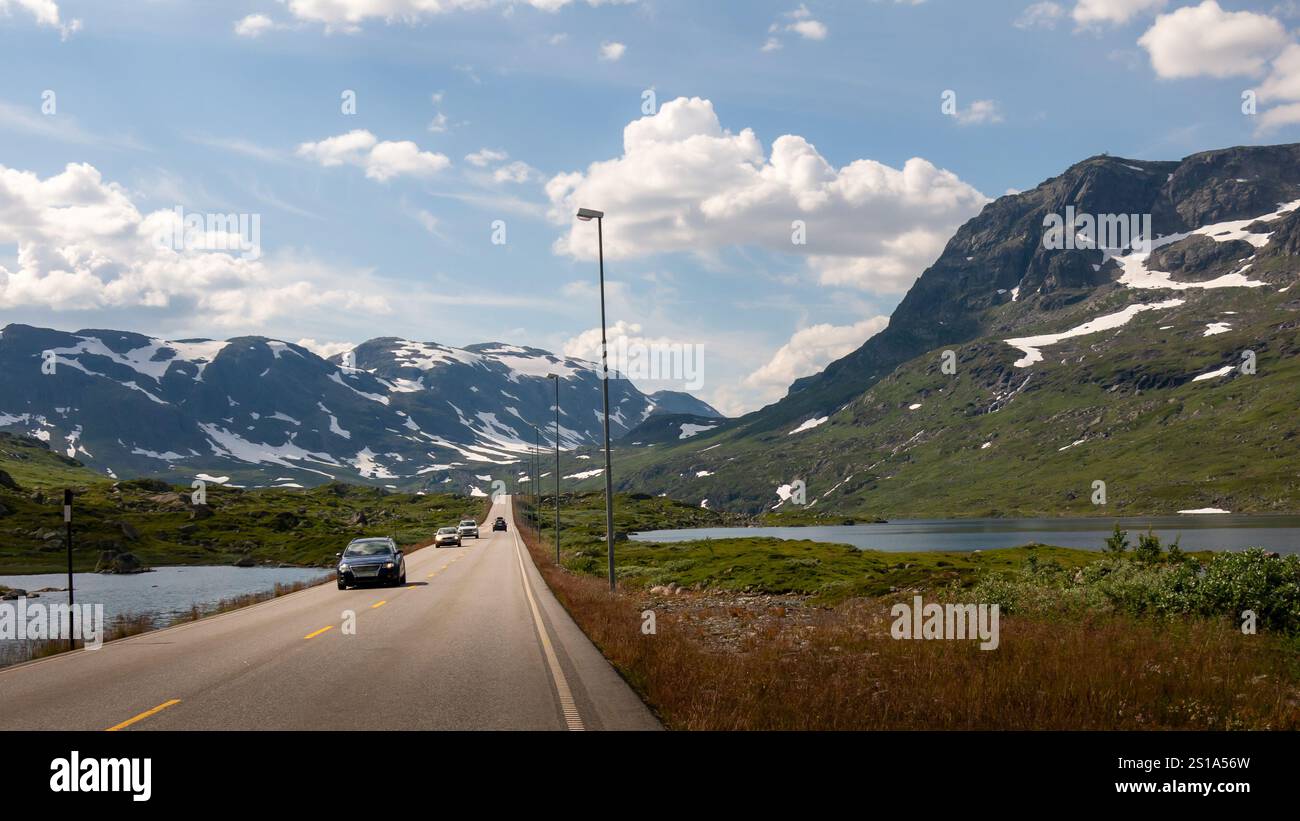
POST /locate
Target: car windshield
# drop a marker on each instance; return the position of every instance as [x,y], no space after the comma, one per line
[446,530]
[468,522]
[369,548]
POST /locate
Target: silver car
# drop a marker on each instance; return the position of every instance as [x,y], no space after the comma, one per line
[447,536]
[468,527]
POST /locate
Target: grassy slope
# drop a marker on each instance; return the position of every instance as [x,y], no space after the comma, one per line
[271,526]
[1232,443]
[33,465]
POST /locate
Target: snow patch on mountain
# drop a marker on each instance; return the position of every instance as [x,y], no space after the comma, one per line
[1030,345]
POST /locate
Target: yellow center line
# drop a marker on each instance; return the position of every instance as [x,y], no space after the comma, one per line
[143,715]
[318,632]
[412,587]
[379,604]
[431,575]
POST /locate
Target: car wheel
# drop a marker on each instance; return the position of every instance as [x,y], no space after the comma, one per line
[342,586]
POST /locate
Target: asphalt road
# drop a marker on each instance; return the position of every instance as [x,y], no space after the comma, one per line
[473,641]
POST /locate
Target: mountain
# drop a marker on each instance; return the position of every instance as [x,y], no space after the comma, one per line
[254,410]
[669,428]
[1072,365]
[681,402]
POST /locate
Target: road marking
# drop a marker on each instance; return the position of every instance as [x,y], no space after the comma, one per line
[143,715]
[431,575]
[412,587]
[572,718]
[318,632]
[379,604]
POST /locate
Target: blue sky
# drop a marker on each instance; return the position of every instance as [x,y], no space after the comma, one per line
[475,113]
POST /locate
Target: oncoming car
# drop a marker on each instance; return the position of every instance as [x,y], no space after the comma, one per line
[468,527]
[371,561]
[447,536]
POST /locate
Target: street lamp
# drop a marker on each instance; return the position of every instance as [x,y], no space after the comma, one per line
[556,379]
[586,215]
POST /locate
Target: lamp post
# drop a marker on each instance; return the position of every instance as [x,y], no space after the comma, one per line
[537,480]
[586,215]
[556,379]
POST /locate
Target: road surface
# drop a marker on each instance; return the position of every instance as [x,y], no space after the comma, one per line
[473,641]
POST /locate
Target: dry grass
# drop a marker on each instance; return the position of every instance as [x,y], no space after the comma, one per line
[805,668]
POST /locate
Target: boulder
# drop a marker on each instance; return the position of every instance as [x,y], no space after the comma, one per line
[8,481]
[129,532]
[114,561]
[201,512]
[245,561]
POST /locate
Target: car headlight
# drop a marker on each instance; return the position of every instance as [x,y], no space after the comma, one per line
[343,568]
[390,565]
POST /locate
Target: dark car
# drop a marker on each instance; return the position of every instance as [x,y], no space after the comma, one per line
[499,524]
[371,561]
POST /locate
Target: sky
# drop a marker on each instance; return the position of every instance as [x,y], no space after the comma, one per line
[775,175]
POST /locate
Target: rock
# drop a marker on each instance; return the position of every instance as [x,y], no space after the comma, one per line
[187,530]
[201,512]
[113,561]
[129,531]
[167,500]
[153,485]
[8,481]
[4,511]
[358,518]
[245,561]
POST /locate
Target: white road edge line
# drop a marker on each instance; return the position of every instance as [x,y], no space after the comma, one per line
[571,716]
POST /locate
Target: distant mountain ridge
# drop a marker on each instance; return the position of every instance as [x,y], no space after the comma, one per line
[255,410]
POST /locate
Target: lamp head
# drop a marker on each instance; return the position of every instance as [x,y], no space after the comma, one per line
[587,214]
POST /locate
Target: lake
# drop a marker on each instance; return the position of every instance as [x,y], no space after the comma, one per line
[165,592]
[1220,531]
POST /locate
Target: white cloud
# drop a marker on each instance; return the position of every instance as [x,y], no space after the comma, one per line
[1278,117]
[382,160]
[325,349]
[1206,40]
[1116,12]
[980,112]
[347,15]
[684,184]
[1040,15]
[46,13]
[485,157]
[83,245]
[612,51]
[809,351]
[800,22]
[513,172]
[254,25]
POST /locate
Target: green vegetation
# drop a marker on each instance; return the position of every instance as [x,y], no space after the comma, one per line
[826,572]
[30,463]
[1035,579]
[1148,582]
[148,522]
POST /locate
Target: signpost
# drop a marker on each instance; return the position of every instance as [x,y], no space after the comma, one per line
[67,521]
